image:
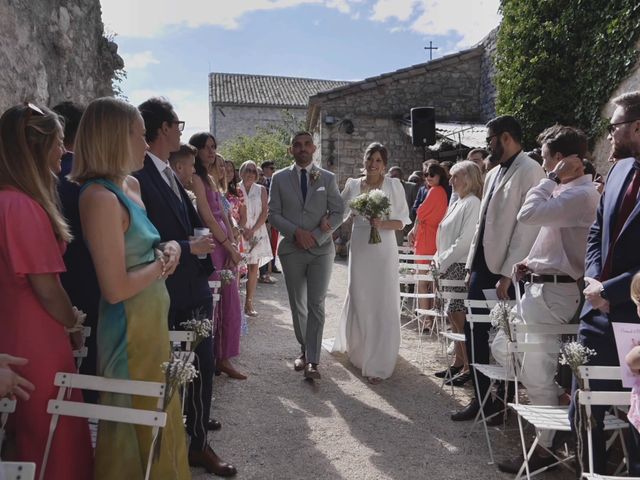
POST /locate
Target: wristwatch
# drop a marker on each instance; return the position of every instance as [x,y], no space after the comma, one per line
[554,176]
[603,294]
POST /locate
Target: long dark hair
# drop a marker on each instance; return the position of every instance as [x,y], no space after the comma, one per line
[199,140]
[436,169]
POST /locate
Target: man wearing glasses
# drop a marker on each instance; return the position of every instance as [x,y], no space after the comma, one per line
[613,258]
[500,241]
[172,213]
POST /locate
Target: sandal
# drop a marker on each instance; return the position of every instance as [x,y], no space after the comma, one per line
[248,309]
[266,279]
[374,380]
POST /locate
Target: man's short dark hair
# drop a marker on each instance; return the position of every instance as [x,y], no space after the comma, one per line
[506,124]
[630,103]
[71,113]
[184,151]
[481,151]
[267,164]
[566,140]
[299,134]
[155,112]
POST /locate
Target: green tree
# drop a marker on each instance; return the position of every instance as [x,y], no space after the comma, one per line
[269,143]
[560,61]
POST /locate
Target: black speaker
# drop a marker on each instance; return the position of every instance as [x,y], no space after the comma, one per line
[423,126]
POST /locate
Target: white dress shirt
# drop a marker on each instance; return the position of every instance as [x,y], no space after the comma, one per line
[565,213]
[161,165]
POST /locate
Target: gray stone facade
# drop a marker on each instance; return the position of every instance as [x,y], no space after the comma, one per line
[230,121]
[487,75]
[378,109]
[54,51]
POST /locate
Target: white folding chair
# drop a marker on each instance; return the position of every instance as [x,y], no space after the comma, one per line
[595,476]
[542,417]
[588,398]
[215,285]
[18,470]
[82,353]
[60,406]
[444,333]
[7,406]
[494,372]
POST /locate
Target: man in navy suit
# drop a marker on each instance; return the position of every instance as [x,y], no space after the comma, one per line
[79,281]
[611,262]
[170,210]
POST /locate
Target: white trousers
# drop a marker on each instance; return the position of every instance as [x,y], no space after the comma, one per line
[542,304]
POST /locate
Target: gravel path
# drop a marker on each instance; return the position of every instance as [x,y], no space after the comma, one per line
[277,426]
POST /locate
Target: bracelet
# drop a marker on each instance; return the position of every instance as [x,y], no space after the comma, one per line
[226,239]
[78,326]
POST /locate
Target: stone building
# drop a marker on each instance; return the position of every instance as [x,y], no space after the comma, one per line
[54,51]
[346,119]
[239,103]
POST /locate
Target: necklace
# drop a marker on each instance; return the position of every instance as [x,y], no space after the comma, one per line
[366,187]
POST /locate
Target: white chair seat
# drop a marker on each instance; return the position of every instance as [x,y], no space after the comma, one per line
[494,372]
[456,337]
[18,470]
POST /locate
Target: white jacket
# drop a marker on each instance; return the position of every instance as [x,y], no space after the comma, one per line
[507,241]
[456,231]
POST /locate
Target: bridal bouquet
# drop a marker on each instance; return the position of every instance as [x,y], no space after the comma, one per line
[372,205]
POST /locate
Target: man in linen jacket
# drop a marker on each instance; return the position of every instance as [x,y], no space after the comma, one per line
[500,241]
[299,198]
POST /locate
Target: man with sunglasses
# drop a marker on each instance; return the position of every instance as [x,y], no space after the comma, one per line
[613,258]
[500,241]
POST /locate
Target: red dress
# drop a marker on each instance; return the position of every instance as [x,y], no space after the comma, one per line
[429,215]
[29,246]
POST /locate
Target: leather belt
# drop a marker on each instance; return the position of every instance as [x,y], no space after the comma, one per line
[533,278]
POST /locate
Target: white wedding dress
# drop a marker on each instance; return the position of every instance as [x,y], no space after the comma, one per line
[369,328]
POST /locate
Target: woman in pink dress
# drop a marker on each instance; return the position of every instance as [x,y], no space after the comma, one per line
[34,308]
[225,255]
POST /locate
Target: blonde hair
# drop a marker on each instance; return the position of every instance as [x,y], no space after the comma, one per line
[223,185]
[103,146]
[471,178]
[27,136]
[246,164]
[635,289]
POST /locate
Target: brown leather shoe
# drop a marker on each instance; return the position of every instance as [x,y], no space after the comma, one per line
[311,371]
[299,363]
[208,460]
[227,368]
[213,425]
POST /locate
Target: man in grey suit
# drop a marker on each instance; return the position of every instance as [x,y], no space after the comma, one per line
[301,196]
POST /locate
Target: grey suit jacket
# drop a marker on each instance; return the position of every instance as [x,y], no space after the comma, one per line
[288,212]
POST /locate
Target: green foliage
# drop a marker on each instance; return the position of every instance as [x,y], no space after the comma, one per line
[270,143]
[560,60]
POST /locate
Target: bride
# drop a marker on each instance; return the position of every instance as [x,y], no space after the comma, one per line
[369,328]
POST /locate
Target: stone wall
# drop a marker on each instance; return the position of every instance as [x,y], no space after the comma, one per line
[228,122]
[487,75]
[453,88]
[54,50]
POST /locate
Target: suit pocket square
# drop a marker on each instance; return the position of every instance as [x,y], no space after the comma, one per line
[321,189]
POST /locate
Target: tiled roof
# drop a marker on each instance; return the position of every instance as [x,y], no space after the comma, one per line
[243,89]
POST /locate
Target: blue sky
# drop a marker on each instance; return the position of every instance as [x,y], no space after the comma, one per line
[170,46]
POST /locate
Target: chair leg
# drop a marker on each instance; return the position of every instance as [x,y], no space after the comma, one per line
[484,422]
[52,428]
[526,455]
[150,459]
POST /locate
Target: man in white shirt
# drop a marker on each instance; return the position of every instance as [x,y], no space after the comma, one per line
[563,206]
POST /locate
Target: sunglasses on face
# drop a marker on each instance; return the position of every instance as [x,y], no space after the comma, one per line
[431,174]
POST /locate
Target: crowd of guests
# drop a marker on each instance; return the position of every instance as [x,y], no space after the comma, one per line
[547,220]
[108,220]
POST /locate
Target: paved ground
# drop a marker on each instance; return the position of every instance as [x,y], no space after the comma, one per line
[277,426]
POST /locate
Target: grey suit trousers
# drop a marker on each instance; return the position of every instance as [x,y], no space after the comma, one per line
[307,278]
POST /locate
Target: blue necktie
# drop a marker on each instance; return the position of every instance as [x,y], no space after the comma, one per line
[303,184]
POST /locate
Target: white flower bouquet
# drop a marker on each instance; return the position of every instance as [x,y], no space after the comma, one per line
[372,205]
[201,327]
[226,277]
[178,372]
[501,317]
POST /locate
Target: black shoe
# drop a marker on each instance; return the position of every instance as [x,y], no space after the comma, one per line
[452,371]
[460,380]
[536,462]
[275,270]
[467,413]
[213,425]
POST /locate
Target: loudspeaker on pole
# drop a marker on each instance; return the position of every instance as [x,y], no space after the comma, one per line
[423,126]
